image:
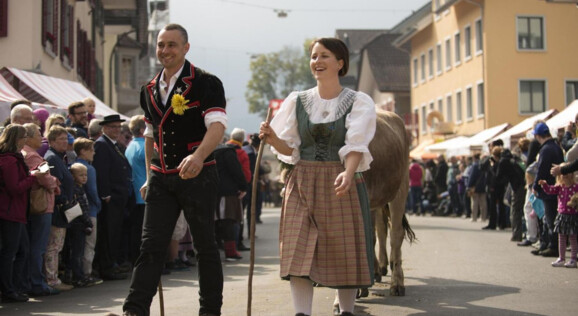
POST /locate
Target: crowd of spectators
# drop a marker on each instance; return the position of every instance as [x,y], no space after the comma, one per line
[503,189]
[89,228]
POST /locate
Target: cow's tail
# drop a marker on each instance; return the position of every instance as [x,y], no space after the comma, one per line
[408,232]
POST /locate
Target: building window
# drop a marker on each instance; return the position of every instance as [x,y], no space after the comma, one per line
[530,33]
[449,115]
[441,106]
[457,44]
[423,119]
[67,34]
[458,107]
[431,106]
[532,96]
[479,37]
[3,18]
[50,26]
[439,57]
[571,91]
[469,105]
[430,63]
[481,109]
[127,75]
[468,42]
[415,71]
[422,61]
[448,54]
[85,59]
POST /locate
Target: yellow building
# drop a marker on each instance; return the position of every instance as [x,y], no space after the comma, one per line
[481,63]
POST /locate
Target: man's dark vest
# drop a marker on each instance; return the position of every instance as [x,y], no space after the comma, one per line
[177,136]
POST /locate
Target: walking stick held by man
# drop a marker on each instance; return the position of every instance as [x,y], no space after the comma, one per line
[253,215]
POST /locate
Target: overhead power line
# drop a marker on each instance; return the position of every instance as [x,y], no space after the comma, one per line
[283,12]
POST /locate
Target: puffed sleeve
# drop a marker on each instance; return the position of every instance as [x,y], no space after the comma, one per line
[360,124]
[285,126]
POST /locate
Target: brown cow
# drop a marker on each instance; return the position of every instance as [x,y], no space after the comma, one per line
[388,183]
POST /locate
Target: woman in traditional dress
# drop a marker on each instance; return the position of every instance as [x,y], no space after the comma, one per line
[325,231]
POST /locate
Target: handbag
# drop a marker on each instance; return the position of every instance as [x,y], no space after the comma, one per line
[73,212]
[38,201]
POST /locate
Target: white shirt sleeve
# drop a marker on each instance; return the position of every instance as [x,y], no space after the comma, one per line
[285,126]
[148,130]
[216,116]
[360,124]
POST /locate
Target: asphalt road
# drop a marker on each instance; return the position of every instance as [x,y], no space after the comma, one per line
[454,269]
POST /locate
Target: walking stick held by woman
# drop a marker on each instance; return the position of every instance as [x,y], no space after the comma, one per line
[253,203]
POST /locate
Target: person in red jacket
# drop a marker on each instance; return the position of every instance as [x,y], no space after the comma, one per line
[415,186]
[15,184]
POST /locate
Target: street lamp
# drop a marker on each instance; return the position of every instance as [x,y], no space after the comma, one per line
[281,13]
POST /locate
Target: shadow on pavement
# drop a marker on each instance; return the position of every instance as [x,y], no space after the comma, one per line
[436,296]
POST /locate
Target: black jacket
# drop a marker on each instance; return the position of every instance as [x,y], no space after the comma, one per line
[113,172]
[231,177]
[177,136]
[550,153]
[510,171]
[441,175]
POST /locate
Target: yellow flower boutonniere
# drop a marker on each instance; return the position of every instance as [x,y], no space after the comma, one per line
[178,103]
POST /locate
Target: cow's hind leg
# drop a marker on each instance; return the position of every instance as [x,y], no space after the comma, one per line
[397,213]
[380,224]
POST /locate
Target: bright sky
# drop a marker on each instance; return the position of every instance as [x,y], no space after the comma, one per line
[225,33]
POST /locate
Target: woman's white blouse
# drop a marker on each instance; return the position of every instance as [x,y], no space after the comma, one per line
[360,123]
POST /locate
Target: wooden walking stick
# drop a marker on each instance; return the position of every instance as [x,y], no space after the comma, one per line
[161,299]
[253,203]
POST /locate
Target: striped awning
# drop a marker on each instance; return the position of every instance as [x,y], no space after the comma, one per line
[56,91]
[8,94]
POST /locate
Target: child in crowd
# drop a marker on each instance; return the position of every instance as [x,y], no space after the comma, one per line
[566,223]
[79,227]
[84,149]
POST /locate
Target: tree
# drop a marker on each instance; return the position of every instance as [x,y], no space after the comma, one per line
[275,75]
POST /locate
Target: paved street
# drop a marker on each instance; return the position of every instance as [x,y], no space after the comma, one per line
[454,269]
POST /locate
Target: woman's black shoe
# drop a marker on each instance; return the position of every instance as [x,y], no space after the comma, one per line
[347,314]
[14,298]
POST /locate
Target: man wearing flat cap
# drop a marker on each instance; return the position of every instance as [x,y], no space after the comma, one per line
[114,184]
[184,108]
[550,154]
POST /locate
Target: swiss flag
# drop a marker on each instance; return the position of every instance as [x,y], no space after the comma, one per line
[274,105]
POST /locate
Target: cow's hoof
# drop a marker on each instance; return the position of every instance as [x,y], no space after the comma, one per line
[362,293]
[377,277]
[397,291]
[384,271]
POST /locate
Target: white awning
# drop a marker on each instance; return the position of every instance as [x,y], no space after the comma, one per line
[521,128]
[563,118]
[450,147]
[479,141]
[59,92]
[8,94]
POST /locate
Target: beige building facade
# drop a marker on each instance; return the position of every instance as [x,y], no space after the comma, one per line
[98,43]
[39,38]
[481,63]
